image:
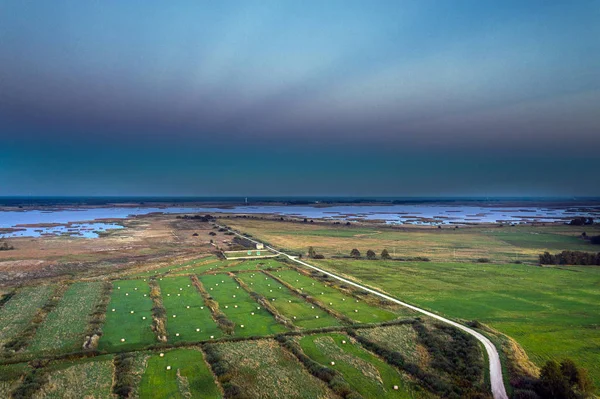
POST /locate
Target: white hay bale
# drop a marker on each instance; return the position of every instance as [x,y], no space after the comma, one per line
[312,307]
[226,307]
[355,310]
[174,315]
[177,334]
[252,313]
[143,317]
[126,294]
[168,294]
[197,330]
[212,337]
[162,355]
[122,339]
[178,294]
[132,312]
[168,367]
[316,317]
[242,326]
[113,310]
[187,307]
[234,296]
[343,342]
[290,301]
[235,306]
[118,288]
[258,307]
[333,363]
[181,289]
[201,307]
[395,387]
[135,289]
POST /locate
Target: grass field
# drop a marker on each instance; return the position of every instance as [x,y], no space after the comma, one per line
[188,376]
[89,378]
[182,299]
[10,375]
[551,312]
[17,313]
[65,326]
[239,307]
[264,370]
[121,324]
[365,372]
[355,309]
[447,244]
[176,267]
[300,312]
[203,267]
[401,338]
[258,264]
[248,253]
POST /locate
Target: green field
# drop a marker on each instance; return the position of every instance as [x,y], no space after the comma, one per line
[65,326]
[188,376]
[296,309]
[16,314]
[89,378]
[182,299]
[122,329]
[10,375]
[241,309]
[209,266]
[552,312]
[258,264]
[365,372]
[350,306]
[263,370]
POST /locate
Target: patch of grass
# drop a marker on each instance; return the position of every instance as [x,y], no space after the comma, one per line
[356,309]
[88,378]
[400,338]
[262,369]
[65,326]
[128,296]
[10,375]
[553,313]
[259,264]
[365,372]
[180,267]
[238,306]
[301,313]
[17,314]
[189,376]
[182,299]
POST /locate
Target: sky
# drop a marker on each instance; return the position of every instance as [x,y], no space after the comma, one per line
[248,98]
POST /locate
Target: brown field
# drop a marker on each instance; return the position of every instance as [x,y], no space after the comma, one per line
[501,244]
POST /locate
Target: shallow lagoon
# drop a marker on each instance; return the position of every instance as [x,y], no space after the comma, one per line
[391,214]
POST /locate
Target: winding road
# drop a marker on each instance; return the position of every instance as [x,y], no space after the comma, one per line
[496,380]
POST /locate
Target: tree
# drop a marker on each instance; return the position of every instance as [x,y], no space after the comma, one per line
[552,382]
[371,255]
[385,254]
[311,252]
[355,253]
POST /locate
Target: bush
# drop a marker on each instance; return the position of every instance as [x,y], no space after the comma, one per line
[385,254]
[483,260]
[371,255]
[355,253]
[570,258]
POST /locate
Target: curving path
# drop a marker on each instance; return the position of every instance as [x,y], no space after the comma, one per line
[497,383]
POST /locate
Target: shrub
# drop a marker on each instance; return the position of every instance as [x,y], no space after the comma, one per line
[385,254]
[355,253]
[483,260]
[371,255]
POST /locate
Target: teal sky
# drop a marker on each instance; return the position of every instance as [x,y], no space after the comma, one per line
[362,98]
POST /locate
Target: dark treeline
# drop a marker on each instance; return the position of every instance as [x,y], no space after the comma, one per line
[200,218]
[570,258]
